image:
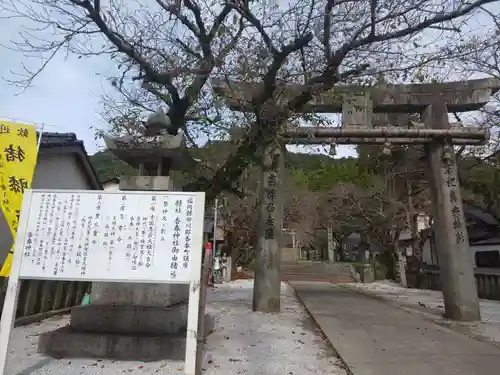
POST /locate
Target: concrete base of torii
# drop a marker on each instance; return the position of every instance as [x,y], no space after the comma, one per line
[143,322]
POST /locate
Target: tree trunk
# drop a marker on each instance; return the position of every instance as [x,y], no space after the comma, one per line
[267,280]
[233,250]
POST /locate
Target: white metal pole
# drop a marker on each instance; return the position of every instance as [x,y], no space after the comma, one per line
[215,224]
[39,139]
[214,246]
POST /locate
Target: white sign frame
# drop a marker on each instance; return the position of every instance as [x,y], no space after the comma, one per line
[12,293]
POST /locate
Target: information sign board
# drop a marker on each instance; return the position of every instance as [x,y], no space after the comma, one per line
[143,237]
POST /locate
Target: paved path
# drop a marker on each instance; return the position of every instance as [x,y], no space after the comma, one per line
[376,338]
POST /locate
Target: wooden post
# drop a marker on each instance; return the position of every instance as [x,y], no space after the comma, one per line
[80,292]
[31,297]
[455,259]
[47,295]
[267,280]
[68,301]
[58,295]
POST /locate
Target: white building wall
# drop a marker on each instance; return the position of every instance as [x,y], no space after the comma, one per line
[111,186]
[430,258]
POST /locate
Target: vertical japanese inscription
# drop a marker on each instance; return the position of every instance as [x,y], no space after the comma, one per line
[28,247]
[112,235]
[122,223]
[106,237]
[82,222]
[142,244]
[62,235]
[75,211]
[450,179]
[270,197]
[188,233]
[151,232]
[129,239]
[47,223]
[66,225]
[37,251]
[88,226]
[164,220]
[135,250]
[176,235]
[56,236]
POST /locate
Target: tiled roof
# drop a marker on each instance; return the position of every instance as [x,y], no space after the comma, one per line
[487,241]
[59,140]
[478,214]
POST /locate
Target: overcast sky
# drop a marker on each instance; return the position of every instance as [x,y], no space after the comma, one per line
[65,97]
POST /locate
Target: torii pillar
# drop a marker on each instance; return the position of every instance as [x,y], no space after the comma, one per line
[455,258]
[267,280]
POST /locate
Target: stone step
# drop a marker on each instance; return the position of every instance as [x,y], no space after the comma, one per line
[322,272]
[118,319]
[317,274]
[317,271]
[309,278]
[325,267]
[67,342]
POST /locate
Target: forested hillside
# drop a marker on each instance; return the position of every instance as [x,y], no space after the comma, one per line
[317,172]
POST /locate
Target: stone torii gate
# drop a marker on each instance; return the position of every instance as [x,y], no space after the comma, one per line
[380,116]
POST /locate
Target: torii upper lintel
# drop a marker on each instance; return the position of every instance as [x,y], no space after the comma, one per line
[459,96]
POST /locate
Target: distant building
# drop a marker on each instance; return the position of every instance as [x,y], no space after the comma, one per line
[62,163]
[484,240]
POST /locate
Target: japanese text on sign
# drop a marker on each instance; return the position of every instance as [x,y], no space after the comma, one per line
[18,154]
[102,236]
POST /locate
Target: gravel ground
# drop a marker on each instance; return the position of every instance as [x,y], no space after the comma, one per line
[244,342]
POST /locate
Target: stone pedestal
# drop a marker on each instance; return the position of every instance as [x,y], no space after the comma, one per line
[366,273]
[160,295]
[127,321]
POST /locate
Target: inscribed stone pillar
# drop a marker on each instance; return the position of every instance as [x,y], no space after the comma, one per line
[455,259]
[267,280]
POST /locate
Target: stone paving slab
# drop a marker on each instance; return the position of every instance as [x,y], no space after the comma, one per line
[376,338]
